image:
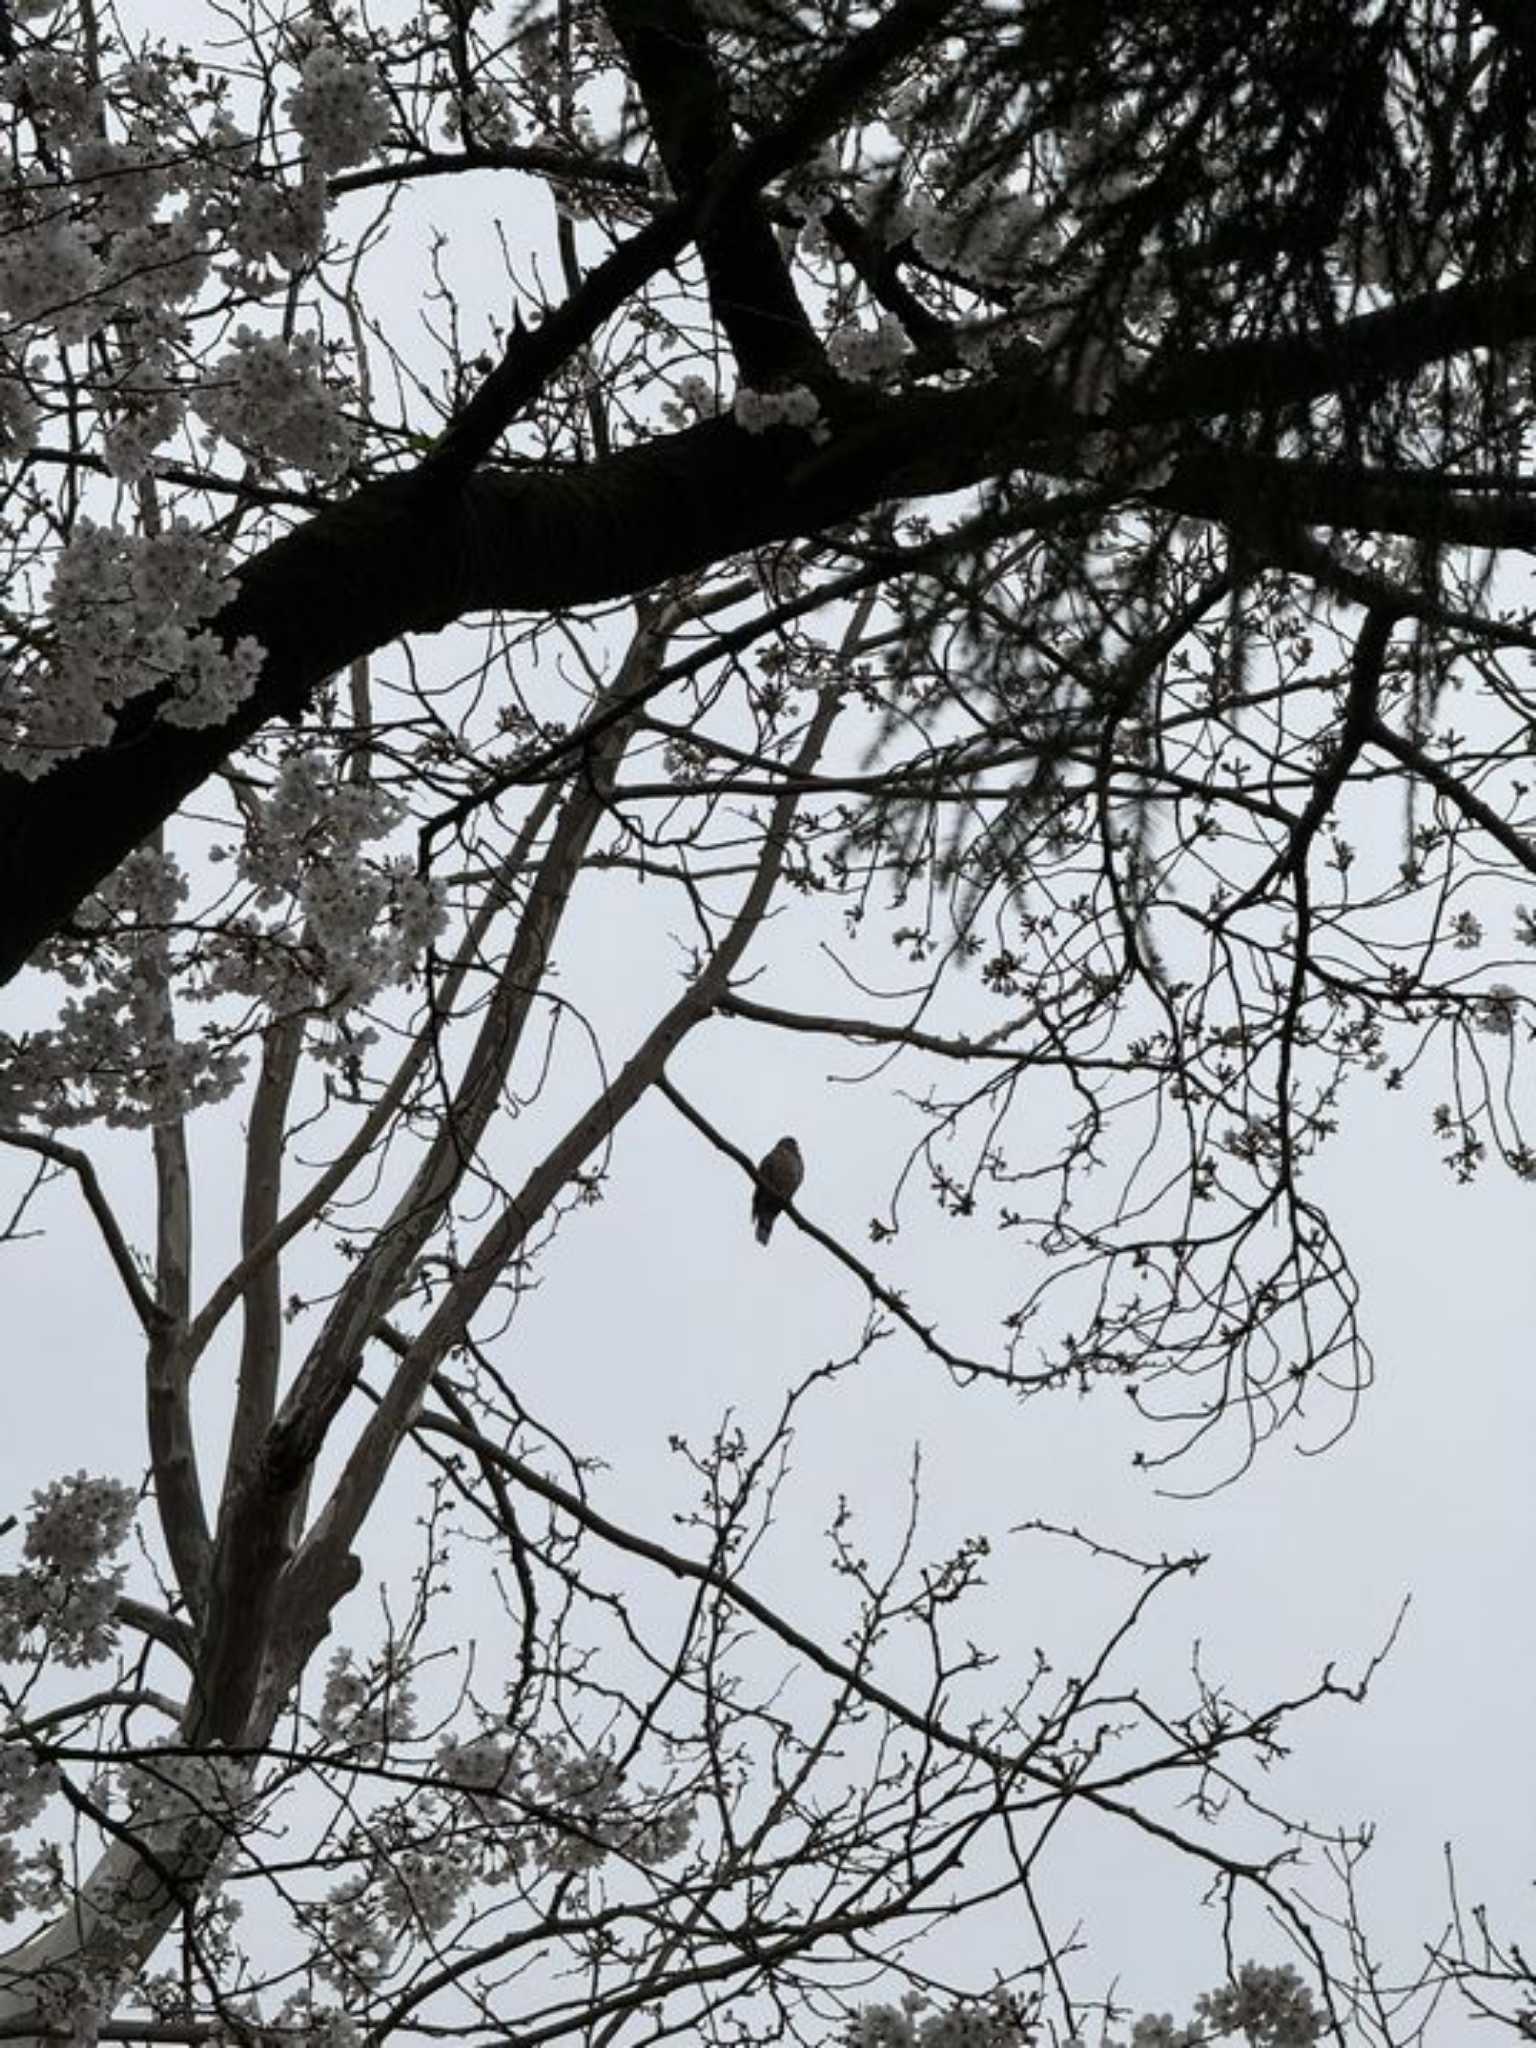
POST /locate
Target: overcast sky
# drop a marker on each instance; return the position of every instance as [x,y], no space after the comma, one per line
[657,1315]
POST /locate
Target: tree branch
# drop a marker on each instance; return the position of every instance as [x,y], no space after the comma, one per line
[1467,801]
[407,555]
[363,1140]
[145,1307]
[750,290]
[264,1500]
[261,1295]
[972,1368]
[335,1528]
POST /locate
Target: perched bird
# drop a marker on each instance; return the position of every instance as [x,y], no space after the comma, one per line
[779,1174]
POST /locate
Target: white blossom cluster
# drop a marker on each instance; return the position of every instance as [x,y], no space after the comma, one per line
[337,109]
[997,2022]
[485,115]
[981,241]
[29,1884]
[125,616]
[365,921]
[591,1819]
[69,1994]
[114,1054]
[73,1622]
[566,1807]
[406,1892]
[54,89]
[483,1764]
[122,183]
[144,406]
[1498,1008]
[868,356]
[693,398]
[141,188]
[311,811]
[421,1889]
[1159,2030]
[50,276]
[19,410]
[1270,2008]
[162,262]
[63,1601]
[166,1792]
[543,1806]
[266,221]
[365,1711]
[318,2026]
[68,267]
[135,203]
[582,1814]
[756,411]
[355,1948]
[27,1783]
[812,189]
[268,396]
[332,924]
[76,1524]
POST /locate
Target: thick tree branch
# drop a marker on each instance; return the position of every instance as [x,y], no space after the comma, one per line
[750,291]
[732,181]
[167,1378]
[130,1696]
[157,1626]
[407,556]
[867,1031]
[261,1336]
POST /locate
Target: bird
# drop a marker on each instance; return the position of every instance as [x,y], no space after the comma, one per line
[779,1174]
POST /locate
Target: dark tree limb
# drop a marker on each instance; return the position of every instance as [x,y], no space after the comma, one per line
[411,555]
[751,293]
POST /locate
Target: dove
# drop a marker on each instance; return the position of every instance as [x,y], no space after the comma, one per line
[779,1174]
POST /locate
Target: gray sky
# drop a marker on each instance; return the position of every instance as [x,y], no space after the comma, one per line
[658,1315]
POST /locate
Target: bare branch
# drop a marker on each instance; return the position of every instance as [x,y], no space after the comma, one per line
[79,1164]
[968,1368]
